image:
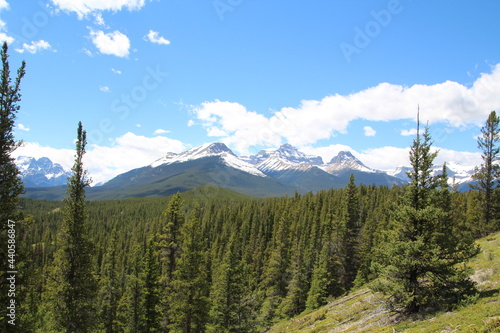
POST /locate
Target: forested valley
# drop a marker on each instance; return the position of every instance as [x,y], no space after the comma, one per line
[188,264]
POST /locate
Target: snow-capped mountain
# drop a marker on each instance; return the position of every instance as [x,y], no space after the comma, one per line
[285,157]
[285,152]
[345,161]
[42,172]
[209,150]
[457,173]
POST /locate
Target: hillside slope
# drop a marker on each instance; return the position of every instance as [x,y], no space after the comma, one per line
[364,311]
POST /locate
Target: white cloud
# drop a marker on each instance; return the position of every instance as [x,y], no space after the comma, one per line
[128,152]
[34,47]
[98,19]
[409,132]
[369,131]
[153,37]
[65,157]
[241,128]
[23,128]
[104,89]
[84,7]
[449,103]
[6,38]
[116,71]
[113,43]
[161,131]
[4,5]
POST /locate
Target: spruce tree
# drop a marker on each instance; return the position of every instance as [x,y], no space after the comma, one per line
[227,312]
[488,174]
[109,288]
[418,264]
[189,306]
[130,311]
[72,286]
[151,278]
[352,227]
[10,183]
[167,245]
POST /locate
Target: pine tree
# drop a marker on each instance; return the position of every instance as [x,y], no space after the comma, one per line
[418,264]
[10,183]
[488,174]
[227,312]
[130,312]
[151,278]
[109,288]
[188,302]
[326,276]
[274,277]
[168,239]
[168,248]
[72,286]
[352,227]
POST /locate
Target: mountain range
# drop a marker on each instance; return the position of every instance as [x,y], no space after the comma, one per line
[41,172]
[271,172]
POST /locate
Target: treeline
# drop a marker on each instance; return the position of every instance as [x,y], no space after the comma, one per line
[190,265]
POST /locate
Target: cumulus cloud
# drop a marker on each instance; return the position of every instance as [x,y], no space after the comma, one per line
[154,37]
[4,4]
[409,132]
[65,157]
[23,128]
[112,43]
[449,103]
[161,131]
[127,152]
[3,26]
[84,7]
[236,125]
[369,131]
[6,38]
[34,47]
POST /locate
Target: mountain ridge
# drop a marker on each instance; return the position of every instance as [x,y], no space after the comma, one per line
[270,172]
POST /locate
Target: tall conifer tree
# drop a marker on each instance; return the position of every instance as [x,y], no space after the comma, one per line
[488,174]
[10,183]
[352,227]
[188,312]
[418,264]
[72,286]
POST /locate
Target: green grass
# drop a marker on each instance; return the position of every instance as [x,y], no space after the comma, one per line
[364,311]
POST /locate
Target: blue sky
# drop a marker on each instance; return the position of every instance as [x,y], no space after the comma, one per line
[149,77]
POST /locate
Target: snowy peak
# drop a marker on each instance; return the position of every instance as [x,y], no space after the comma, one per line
[286,154]
[205,150]
[286,157]
[345,160]
[292,154]
[209,150]
[41,172]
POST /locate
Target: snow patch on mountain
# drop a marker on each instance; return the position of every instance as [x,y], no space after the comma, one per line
[345,160]
[41,172]
[209,150]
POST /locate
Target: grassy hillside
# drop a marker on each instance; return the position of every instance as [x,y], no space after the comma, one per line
[364,311]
